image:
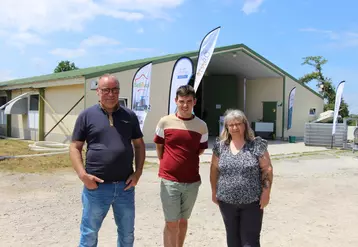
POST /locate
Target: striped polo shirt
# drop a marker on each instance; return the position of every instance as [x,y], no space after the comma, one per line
[182,139]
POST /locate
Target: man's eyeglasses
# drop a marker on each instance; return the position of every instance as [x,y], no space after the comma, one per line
[107,90]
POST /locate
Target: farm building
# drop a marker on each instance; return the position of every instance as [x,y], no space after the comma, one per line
[45,107]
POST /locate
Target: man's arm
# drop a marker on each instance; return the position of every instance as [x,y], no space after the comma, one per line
[76,157]
[139,152]
[88,180]
[139,158]
[160,150]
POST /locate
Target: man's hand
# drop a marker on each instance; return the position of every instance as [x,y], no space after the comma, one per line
[133,180]
[90,181]
[265,198]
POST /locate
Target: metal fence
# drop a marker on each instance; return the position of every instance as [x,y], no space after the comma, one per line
[320,134]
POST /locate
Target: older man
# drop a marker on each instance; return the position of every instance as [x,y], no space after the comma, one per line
[108,177]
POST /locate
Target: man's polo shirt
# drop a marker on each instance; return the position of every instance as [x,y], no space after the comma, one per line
[182,139]
[109,153]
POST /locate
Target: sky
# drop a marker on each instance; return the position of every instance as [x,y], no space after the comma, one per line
[37,34]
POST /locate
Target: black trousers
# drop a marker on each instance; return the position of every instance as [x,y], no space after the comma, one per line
[242,223]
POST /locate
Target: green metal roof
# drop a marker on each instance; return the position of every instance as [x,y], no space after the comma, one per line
[117,67]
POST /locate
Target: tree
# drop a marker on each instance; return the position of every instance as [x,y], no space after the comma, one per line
[327,89]
[64,66]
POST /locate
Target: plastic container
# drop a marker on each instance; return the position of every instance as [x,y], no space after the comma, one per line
[292,139]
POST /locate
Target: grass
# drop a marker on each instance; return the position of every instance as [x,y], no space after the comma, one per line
[29,164]
[40,164]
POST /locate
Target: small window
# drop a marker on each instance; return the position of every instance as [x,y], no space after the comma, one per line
[2,113]
[2,100]
[123,102]
[34,102]
[312,112]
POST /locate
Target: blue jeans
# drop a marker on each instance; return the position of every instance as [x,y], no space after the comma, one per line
[96,204]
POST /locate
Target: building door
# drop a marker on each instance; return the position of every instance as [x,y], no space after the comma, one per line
[220,93]
[270,113]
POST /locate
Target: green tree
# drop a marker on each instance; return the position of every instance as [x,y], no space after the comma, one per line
[324,83]
[64,66]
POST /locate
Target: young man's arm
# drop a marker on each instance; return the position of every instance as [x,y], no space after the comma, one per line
[204,140]
[159,139]
[160,150]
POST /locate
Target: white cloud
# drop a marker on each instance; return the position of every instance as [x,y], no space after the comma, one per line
[329,33]
[5,75]
[97,40]
[68,53]
[251,6]
[44,16]
[21,39]
[140,30]
[134,49]
[93,41]
[341,39]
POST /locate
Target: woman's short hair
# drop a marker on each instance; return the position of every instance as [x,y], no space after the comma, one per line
[234,114]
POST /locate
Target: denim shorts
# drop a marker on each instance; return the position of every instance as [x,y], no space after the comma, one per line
[178,199]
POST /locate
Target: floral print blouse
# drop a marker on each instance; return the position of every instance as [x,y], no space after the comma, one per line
[239,180]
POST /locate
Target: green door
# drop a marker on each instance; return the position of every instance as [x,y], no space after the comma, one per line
[269,113]
[219,93]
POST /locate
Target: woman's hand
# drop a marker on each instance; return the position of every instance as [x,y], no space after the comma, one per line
[265,198]
[213,198]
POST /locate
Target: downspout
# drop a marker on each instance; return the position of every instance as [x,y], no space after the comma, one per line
[41,114]
[283,106]
[8,117]
[245,96]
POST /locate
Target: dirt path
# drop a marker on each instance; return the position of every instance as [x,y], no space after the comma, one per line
[314,203]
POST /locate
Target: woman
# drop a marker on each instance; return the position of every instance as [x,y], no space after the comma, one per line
[241,179]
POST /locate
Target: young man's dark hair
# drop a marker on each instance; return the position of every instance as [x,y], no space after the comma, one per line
[185,90]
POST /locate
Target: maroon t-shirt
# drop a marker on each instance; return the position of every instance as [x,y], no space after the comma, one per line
[182,139]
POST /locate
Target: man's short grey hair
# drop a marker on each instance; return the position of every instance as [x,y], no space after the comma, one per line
[110,76]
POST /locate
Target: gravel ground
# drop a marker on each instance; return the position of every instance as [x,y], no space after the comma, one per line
[313,203]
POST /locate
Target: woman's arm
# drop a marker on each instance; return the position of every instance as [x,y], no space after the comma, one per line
[266,178]
[214,173]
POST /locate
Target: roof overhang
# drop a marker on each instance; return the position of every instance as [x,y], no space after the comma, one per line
[18,105]
[242,63]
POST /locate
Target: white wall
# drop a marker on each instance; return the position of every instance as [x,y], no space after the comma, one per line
[264,90]
[59,101]
[304,101]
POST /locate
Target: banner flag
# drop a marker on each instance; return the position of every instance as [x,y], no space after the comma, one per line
[141,92]
[337,105]
[291,99]
[206,50]
[182,71]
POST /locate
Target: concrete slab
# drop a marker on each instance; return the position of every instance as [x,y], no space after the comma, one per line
[274,148]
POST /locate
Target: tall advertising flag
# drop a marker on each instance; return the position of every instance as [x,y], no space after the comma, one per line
[337,105]
[182,71]
[141,92]
[291,99]
[205,52]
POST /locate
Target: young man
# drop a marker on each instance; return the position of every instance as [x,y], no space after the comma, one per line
[180,138]
[109,178]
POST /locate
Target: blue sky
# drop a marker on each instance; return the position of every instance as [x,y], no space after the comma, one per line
[36,34]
